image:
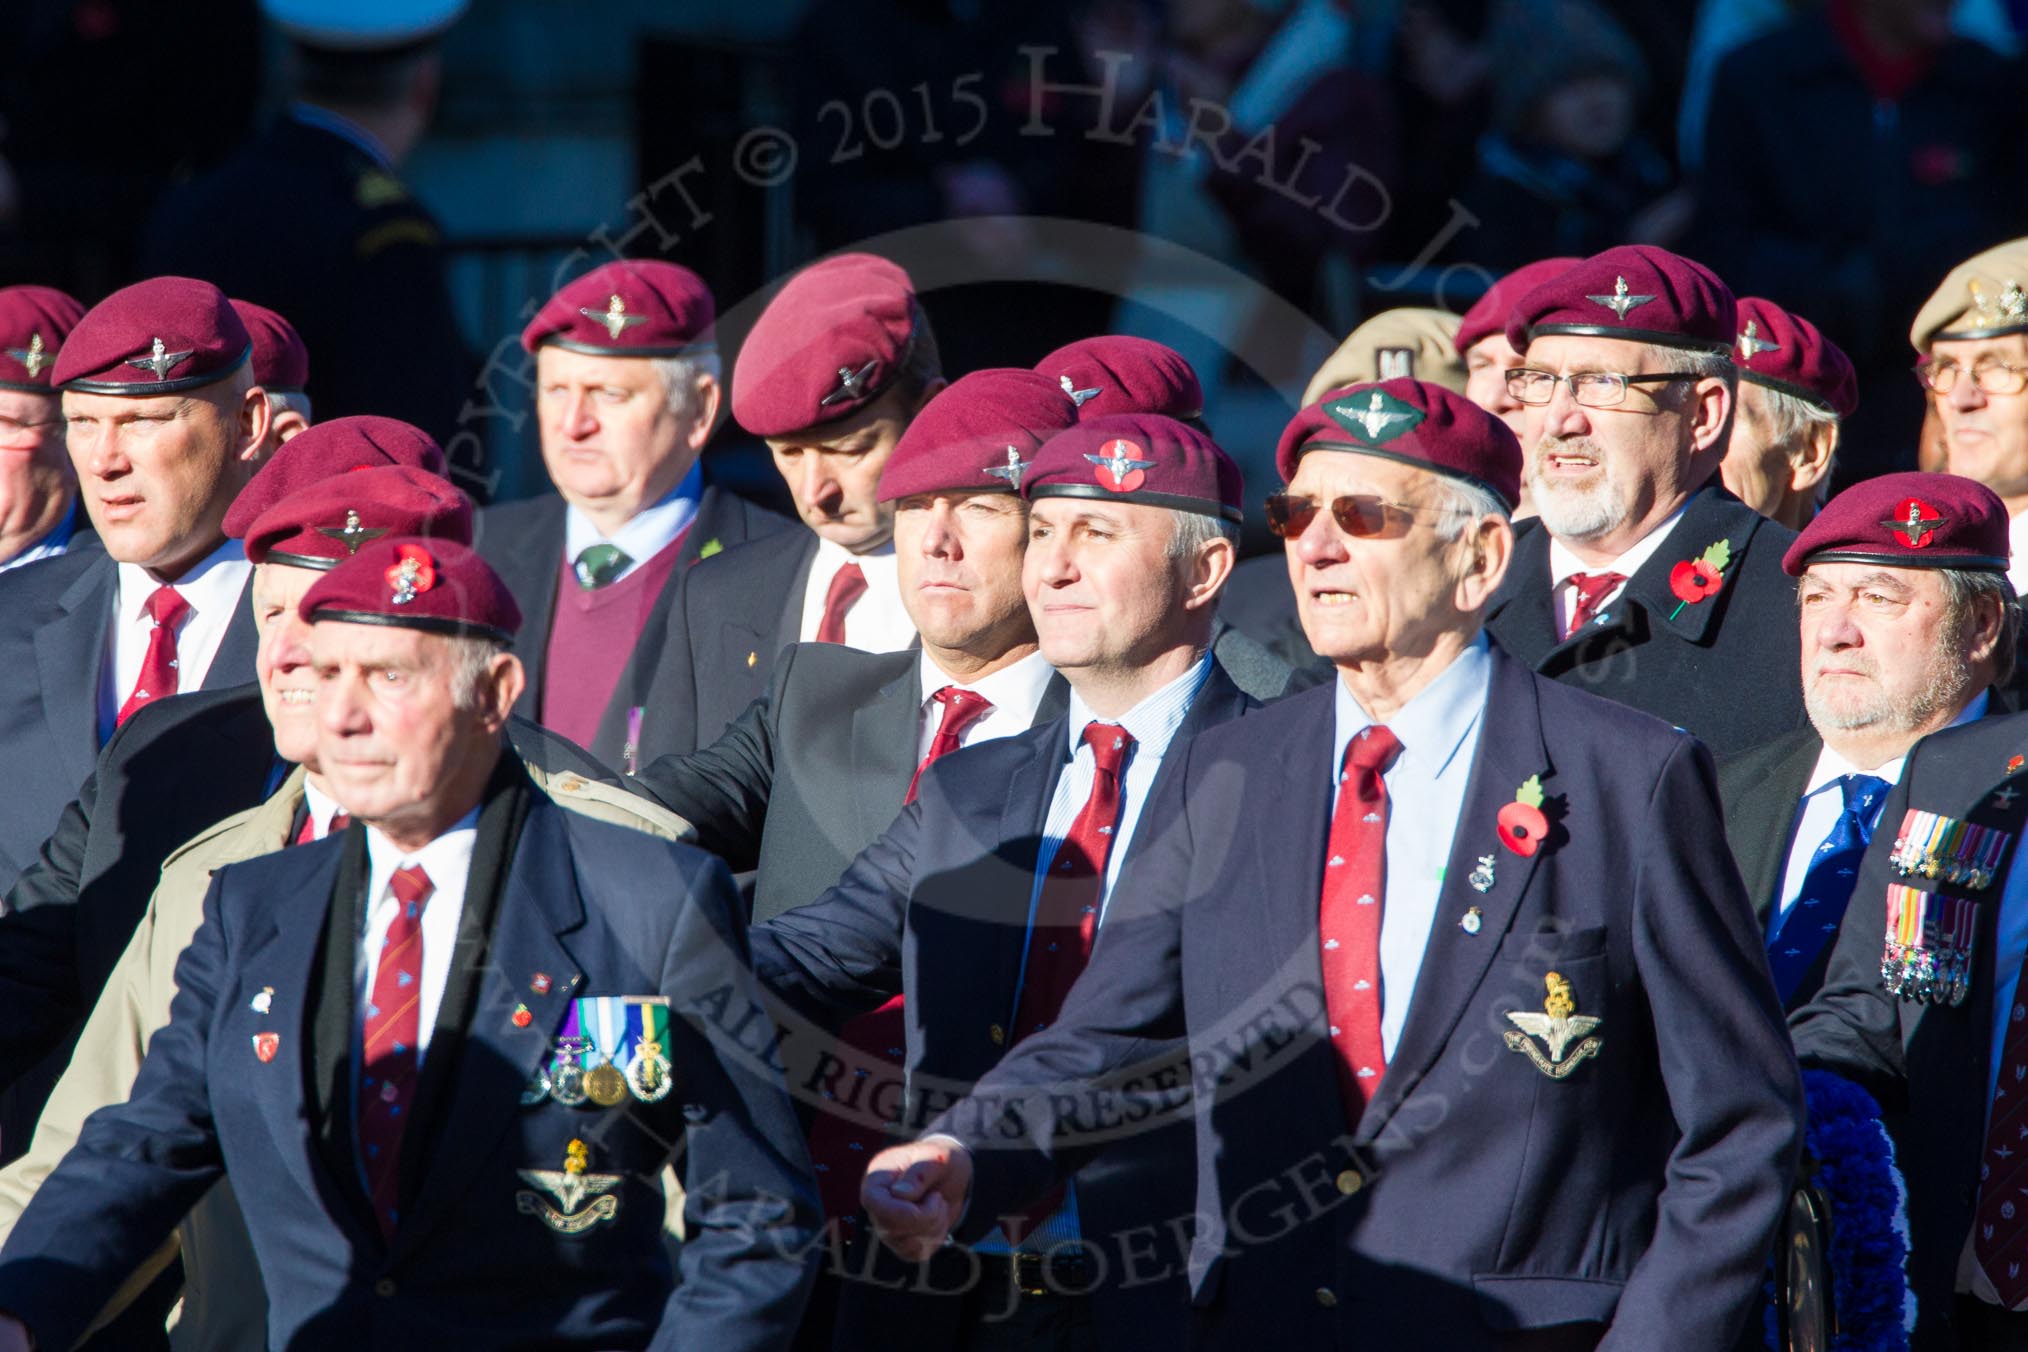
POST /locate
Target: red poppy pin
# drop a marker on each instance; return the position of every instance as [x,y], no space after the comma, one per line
[266,1045]
[2013,764]
[413,573]
[1695,579]
[1915,522]
[1120,466]
[1522,825]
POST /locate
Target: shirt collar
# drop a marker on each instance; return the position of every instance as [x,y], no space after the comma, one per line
[833,555]
[345,129]
[213,582]
[1832,767]
[649,531]
[447,859]
[1014,688]
[320,806]
[1433,725]
[1153,722]
[1562,563]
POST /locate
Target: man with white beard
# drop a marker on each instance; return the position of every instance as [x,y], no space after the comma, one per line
[1907,622]
[1643,579]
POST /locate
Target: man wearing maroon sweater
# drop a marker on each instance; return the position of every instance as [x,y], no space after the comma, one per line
[627,391]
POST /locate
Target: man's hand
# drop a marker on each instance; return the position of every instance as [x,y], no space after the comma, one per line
[914,1194]
[14,1335]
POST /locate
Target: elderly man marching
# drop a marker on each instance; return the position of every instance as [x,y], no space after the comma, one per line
[1484,1049]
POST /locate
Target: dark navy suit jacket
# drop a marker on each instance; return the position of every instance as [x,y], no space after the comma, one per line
[524,542]
[938,907]
[55,618]
[1478,1196]
[598,909]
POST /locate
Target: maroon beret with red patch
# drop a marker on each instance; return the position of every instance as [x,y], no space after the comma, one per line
[35,321]
[438,586]
[1139,457]
[325,523]
[978,434]
[628,309]
[830,342]
[1907,520]
[1784,351]
[1637,292]
[160,336]
[1415,423]
[1489,312]
[1114,373]
[339,446]
[281,363]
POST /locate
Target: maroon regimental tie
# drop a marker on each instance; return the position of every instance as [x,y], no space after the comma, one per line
[158,665]
[1349,914]
[393,1023]
[962,708]
[2000,1236]
[1592,590]
[848,584]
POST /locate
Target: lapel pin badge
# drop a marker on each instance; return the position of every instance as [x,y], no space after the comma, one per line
[265,1046]
[1481,879]
[1471,922]
[539,983]
[522,1018]
[263,1002]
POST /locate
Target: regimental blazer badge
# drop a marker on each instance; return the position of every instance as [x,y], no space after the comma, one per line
[1559,1025]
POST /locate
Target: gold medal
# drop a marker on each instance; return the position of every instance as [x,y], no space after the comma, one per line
[606,1085]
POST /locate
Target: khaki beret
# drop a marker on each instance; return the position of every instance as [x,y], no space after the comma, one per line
[1405,344]
[1981,298]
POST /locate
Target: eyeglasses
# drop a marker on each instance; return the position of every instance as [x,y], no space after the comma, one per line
[1593,389]
[1358,514]
[1990,374]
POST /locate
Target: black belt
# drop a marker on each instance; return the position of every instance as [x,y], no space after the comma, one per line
[1062,1271]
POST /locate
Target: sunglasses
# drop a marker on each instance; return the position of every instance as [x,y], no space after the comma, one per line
[1364,516]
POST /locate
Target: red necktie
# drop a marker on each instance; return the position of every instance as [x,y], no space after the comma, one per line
[158,665]
[962,708]
[848,584]
[339,821]
[1066,917]
[393,1022]
[1592,588]
[1348,917]
[2000,1236]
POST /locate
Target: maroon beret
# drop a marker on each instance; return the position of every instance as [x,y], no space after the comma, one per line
[628,309]
[1785,352]
[281,363]
[1489,312]
[35,321]
[438,586]
[1907,520]
[325,523]
[1414,422]
[830,342]
[1117,374]
[155,337]
[1637,292]
[978,434]
[1139,457]
[328,448]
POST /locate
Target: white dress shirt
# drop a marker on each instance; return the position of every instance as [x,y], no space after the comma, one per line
[1562,563]
[321,807]
[875,623]
[50,545]
[2017,536]
[650,531]
[448,862]
[213,590]
[1439,735]
[1015,692]
[1823,802]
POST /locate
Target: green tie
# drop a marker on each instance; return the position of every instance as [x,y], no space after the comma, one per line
[600,564]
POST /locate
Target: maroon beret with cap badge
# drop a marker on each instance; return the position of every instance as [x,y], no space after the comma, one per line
[1115,373]
[830,342]
[1139,457]
[1415,423]
[978,434]
[339,446]
[325,523]
[35,322]
[438,586]
[1783,351]
[281,363]
[1637,292]
[161,336]
[1907,520]
[628,309]
[1488,314]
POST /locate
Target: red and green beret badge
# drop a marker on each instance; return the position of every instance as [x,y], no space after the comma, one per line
[1120,466]
[1695,580]
[1375,416]
[1915,522]
[413,573]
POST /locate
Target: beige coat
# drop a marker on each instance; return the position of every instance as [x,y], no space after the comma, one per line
[224,1308]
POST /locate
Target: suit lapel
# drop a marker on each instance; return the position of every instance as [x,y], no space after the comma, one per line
[233,664]
[333,1002]
[540,562]
[69,652]
[1510,750]
[1522,616]
[1712,515]
[790,629]
[884,737]
[1771,804]
[1055,701]
[1023,817]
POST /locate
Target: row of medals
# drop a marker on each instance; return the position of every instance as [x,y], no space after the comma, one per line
[567,1081]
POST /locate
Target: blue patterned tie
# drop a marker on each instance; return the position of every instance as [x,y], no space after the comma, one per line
[1810,924]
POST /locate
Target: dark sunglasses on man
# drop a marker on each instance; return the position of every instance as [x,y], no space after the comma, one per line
[1364,516]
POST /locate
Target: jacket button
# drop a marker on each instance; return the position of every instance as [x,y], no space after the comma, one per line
[1327,1298]
[384,1287]
[998,1034]
[1349,1182]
